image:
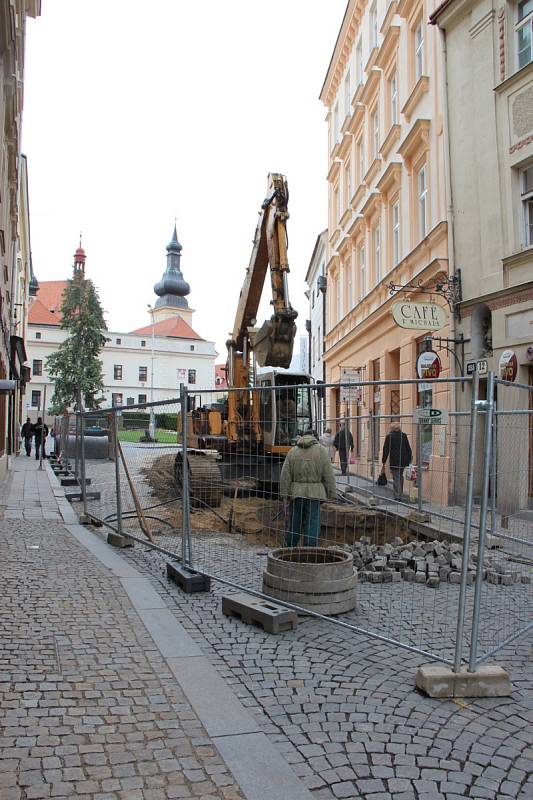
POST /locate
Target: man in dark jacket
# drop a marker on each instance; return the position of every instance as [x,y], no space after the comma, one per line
[40,431]
[343,442]
[26,433]
[397,449]
[306,479]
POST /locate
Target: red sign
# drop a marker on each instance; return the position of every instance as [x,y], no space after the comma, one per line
[428,366]
[508,365]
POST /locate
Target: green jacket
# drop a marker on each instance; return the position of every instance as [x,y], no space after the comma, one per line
[307,471]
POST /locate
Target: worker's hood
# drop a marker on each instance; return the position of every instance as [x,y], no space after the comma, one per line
[306,441]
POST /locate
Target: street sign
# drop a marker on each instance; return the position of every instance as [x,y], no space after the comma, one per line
[431,416]
[508,365]
[481,367]
[351,391]
[428,365]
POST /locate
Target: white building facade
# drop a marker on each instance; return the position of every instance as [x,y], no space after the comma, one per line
[149,363]
[315,280]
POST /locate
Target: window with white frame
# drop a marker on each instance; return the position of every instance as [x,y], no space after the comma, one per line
[419,51]
[375,132]
[422,202]
[337,205]
[347,95]
[361,159]
[349,298]
[374,25]
[527,204]
[362,272]
[336,126]
[524,33]
[376,235]
[359,62]
[393,95]
[395,220]
[338,296]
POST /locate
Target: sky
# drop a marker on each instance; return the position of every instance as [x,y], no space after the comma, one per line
[135,118]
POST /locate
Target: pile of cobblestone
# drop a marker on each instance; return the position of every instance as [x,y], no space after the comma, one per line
[426,562]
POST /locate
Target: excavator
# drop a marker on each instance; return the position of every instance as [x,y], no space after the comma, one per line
[241,439]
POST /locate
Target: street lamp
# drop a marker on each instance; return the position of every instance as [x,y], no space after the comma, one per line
[151,426]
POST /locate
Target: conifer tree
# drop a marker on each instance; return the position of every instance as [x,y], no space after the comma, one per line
[76,365]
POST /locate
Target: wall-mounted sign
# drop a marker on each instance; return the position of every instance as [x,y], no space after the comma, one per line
[431,416]
[428,366]
[508,365]
[481,367]
[419,316]
[351,391]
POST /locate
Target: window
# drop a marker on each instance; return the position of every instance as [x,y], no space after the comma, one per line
[361,159]
[37,368]
[347,95]
[130,401]
[336,128]
[337,205]
[143,343]
[347,184]
[419,51]
[422,202]
[37,335]
[362,272]
[373,25]
[143,374]
[524,33]
[117,372]
[393,95]
[377,252]
[119,341]
[191,347]
[116,399]
[527,202]
[395,220]
[338,298]
[359,62]
[35,399]
[375,133]
[192,376]
[142,399]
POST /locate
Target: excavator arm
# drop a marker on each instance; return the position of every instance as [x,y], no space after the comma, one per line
[273,342]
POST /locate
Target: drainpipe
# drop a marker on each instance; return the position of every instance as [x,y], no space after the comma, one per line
[450,225]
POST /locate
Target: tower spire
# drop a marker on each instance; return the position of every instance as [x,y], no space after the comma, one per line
[173,288]
[79,261]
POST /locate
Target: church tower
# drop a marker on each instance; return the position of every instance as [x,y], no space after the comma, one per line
[79,261]
[172,289]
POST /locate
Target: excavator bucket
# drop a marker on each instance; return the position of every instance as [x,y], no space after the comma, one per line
[273,342]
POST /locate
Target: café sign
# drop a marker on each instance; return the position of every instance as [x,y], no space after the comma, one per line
[508,365]
[419,316]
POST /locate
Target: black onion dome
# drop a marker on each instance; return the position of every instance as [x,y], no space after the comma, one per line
[172,288]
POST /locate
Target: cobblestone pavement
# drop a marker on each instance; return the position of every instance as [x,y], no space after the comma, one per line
[88,706]
[342,709]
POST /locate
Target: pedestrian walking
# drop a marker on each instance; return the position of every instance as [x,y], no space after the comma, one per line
[397,450]
[306,479]
[326,440]
[40,432]
[26,433]
[343,442]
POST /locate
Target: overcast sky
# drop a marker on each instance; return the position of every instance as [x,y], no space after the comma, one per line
[138,113]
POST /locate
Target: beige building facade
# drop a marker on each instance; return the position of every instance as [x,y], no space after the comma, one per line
[488,62]
[14,218]
[387,221]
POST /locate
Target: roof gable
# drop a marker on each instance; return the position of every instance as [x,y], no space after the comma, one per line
[174,327]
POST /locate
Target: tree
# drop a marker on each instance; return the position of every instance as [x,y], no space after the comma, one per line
[76,365]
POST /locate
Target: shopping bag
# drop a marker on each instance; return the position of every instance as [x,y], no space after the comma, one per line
[352,459]
[411,473]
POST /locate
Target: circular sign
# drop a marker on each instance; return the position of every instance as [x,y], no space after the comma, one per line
[508,365]
[428,366]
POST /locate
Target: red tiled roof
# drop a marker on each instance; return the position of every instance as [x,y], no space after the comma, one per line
[175,328]
[220,375]
[45,309]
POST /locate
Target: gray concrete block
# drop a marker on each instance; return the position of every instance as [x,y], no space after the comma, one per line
[257,611]
[439,680]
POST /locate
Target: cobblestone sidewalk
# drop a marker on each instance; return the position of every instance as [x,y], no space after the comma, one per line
[88,706]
